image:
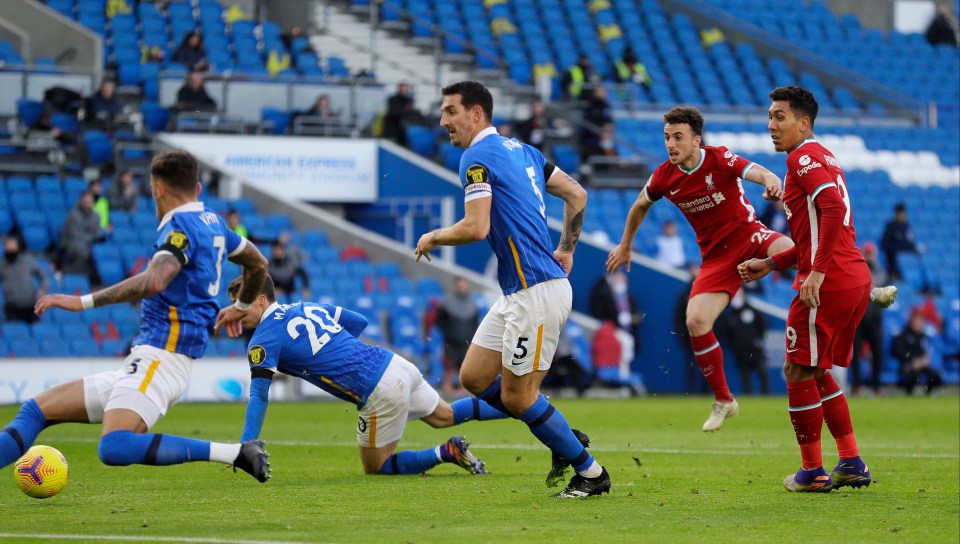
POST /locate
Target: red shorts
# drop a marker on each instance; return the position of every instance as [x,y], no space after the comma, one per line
[823,337]
[718,273]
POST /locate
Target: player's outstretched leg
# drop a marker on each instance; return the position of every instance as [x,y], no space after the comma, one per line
[884,297]
[850,470]
[17,437]
[122,448]
[559,465]
[456,451]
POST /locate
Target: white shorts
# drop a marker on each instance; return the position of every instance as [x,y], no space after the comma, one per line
[150,381]
[525,326]
[401,395]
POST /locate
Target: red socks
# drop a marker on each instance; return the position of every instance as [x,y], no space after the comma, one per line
[836,412]
[806,414]
[707,352]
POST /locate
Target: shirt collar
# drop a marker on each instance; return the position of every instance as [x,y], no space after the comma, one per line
[805,142]
[695,168]
[483,134]
[269,311]
[188,207]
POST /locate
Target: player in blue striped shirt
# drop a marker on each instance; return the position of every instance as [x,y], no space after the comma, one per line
[318,343]
[178,291]
[504,182]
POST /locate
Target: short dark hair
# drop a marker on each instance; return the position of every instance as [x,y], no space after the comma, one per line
[176,169]
[268,290]
[685,115]
[472,93]
[900,207]
[801,101]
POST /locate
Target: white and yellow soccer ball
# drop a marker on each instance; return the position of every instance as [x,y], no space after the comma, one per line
[42,472]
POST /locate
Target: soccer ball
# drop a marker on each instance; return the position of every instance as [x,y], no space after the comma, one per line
[42,472]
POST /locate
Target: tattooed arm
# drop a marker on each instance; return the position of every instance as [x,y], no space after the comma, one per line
[158,275]
[574,205]
[254,273]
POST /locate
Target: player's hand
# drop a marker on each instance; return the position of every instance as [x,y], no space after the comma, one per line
[229,318]
[424,246]
[810,289]
[753,270]
[619,256]
[773,191]
[565,258]
[67,302]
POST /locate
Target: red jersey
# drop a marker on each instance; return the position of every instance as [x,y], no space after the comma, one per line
[815,183]
[710,195]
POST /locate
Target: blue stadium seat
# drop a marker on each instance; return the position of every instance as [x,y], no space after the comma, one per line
[421,141]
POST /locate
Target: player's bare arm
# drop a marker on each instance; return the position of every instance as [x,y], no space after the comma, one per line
[254,266]
[158,275]
[561,185]
[638,212]
[772,184]
[474,227]
[754,269]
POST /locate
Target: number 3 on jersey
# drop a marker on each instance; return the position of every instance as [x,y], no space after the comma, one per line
[310,325]
[532,173]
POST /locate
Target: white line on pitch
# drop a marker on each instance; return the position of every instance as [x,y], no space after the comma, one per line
[672,451]
[141,538]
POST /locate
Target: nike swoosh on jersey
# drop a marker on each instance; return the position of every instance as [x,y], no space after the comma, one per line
[792,350]
[674,192]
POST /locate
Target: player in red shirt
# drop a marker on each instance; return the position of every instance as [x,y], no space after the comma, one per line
[834,289]
[704,182]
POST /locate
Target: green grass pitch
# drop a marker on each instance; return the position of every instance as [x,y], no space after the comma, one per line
[671,482]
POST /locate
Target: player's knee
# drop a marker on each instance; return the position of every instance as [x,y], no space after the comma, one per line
[516,403]
[697,325]
[114,450]
[472,383]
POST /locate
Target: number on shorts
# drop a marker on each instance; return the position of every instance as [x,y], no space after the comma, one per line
[792,336]
[220,243]
[325,322]
[522,348]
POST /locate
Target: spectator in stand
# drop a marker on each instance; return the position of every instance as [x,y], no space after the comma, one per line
[400,113]
[193,96]
[870,330]
[321,108]
[457,319]
[101,206]
[191,53]
[80,232]
[943,28]
[897,238]
[742,328]
[123,194]
[911,348]
[692,374]
[285,269]
[596,115]
[19,274]
[101,109]
[610,300]
[234,223]
[537,128]
[629,68]
[579,80]
[670,246]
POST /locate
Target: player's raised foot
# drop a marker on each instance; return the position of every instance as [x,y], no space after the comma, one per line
[884,297]
[580,486]
[252,459]
[851,472]
[809,481]
[457,451]
[558,468]
[721,412]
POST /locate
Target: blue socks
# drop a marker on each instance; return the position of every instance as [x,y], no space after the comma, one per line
[410,462]
[474,409]
[551,428]
[492,397]
[121,448]
[17,438]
